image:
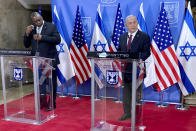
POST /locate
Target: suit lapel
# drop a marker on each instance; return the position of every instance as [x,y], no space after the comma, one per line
[136,38]
[44,28]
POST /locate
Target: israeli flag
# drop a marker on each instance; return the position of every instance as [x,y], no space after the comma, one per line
[150,78]
[186,55]
[65,69]
[99,42]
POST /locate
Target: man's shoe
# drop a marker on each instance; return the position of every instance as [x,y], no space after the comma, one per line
[124,117]
[49,109]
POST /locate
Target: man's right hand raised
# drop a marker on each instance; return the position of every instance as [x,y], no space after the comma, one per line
[29,29]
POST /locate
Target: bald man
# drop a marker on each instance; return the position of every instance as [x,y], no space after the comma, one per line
[43,37]
[137,43]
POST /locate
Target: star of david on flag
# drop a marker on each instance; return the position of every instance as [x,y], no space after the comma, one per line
[189,53]
[99,46]
[60,48]
[186,55]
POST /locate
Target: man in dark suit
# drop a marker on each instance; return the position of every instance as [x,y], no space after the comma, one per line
[43,37]
[137,43]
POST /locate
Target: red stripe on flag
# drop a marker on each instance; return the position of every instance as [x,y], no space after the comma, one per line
[111,49]
[157,86]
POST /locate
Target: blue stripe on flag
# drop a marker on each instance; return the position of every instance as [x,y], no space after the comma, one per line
[185,80]
[189,21]
[142,22]
[99,72]
[100,23]
[60,76]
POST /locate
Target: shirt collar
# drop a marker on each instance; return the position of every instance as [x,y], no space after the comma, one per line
[133,34]
[39,29]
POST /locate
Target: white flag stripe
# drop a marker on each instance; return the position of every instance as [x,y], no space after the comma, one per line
[150,78]
[141,10]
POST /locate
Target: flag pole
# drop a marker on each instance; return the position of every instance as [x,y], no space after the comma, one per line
[96,93]
[161,104]
[181,105]
[76,97]
[62,95]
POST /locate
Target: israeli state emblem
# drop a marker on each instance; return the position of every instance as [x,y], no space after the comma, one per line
[112,77]
[18,75]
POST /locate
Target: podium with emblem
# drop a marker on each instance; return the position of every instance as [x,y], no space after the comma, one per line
[108,74]
[27,88]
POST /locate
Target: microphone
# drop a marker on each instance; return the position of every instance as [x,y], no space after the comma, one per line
[37,43]
[32,26]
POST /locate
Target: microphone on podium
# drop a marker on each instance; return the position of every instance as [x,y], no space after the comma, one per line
[32,26]
[37,50]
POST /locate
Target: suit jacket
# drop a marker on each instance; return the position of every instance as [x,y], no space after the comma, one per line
[139,49]
[47,45]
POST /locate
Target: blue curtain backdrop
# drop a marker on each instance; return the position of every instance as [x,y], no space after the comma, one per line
[88,8]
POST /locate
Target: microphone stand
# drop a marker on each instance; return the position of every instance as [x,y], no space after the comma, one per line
[37,42]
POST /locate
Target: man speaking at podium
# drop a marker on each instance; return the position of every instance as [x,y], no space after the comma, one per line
[43,37]
[137,43]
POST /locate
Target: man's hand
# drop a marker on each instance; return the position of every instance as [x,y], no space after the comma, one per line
[37,37]
[29,29]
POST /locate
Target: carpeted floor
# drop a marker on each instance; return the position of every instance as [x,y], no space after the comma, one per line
[75,115]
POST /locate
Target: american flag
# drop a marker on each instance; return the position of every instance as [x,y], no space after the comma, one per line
[118,30]
[79,51]
[166,64]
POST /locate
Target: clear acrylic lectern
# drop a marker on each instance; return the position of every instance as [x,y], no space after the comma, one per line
[27,88]
[107,82]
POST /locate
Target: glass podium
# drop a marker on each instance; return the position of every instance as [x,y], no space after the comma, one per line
[107,83]
[27,88]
